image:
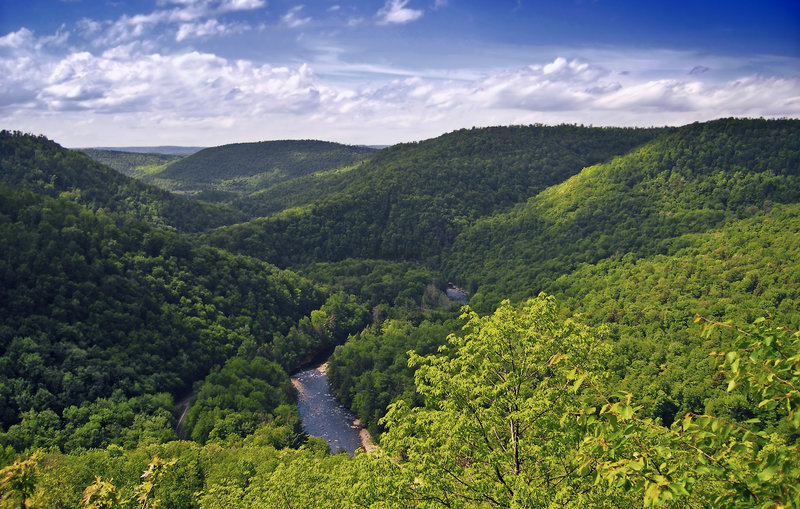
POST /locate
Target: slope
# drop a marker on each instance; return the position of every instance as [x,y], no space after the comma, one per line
[96,317]
[744,270]
[411,200]
[40,165]
[690,180]
[244,168]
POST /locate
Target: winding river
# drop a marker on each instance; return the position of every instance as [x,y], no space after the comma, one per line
[323,416]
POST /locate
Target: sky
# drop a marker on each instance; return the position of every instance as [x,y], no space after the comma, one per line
[377,72]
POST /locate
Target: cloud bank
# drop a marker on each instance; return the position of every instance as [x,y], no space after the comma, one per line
[113,83]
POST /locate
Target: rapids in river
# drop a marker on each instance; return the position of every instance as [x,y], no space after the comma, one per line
[321,413]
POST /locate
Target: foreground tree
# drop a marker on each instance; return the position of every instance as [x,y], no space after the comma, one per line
[18,481]
[492,431]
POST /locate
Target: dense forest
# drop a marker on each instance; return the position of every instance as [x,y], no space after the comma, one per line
[631,336]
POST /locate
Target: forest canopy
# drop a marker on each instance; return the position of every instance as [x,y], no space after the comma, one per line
[630,339]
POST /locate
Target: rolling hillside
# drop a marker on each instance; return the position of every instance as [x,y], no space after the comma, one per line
[411,200]
[132,164]
[37,164]
[691,180]
[240,169]
[659,366]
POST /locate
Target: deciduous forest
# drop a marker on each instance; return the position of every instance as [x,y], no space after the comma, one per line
[630,338]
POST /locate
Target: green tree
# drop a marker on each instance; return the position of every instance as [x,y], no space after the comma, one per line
[18,481]
[491,431]
[101,495]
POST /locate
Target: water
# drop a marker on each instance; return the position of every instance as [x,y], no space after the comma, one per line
[321,413]
[455,293]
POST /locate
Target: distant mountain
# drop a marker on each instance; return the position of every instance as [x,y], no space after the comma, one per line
[243,168]
[163,149]
[42,166]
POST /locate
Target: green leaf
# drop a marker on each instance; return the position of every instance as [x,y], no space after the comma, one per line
[767,473]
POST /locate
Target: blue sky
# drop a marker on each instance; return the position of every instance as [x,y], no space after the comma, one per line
[208,72]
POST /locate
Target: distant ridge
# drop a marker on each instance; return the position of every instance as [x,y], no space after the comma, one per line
[163,149]
[242,168]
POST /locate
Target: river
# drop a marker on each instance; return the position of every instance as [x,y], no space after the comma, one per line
[323,416]
[321,413]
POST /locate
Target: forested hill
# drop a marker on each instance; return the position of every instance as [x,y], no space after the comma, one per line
[691,180]
[91,310]
[132,164]
[411,200]
[244,168]
[40,165]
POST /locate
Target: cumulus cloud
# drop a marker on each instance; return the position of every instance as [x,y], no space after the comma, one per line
[293,18]
[395,12]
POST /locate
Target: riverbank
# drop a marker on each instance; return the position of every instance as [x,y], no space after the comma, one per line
[367,443]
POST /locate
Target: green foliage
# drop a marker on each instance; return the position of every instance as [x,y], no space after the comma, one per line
[691,179]
[132,164]
[101,495]
[235,400]
[96,319]
[298,192]
[104,318]
[371,370]
[491,431]
[703,459]
[18,481]
[391,289]
[741,271]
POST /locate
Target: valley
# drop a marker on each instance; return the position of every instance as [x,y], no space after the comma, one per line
[629,336]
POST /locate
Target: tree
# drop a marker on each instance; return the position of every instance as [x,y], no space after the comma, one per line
[101,495]
[18,480]
[491,431]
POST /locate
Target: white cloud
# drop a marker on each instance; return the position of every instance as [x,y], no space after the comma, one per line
[14,40]
[293,19]
[135,91]
[204,29]
[395,12]
[189,18]
[241,5]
